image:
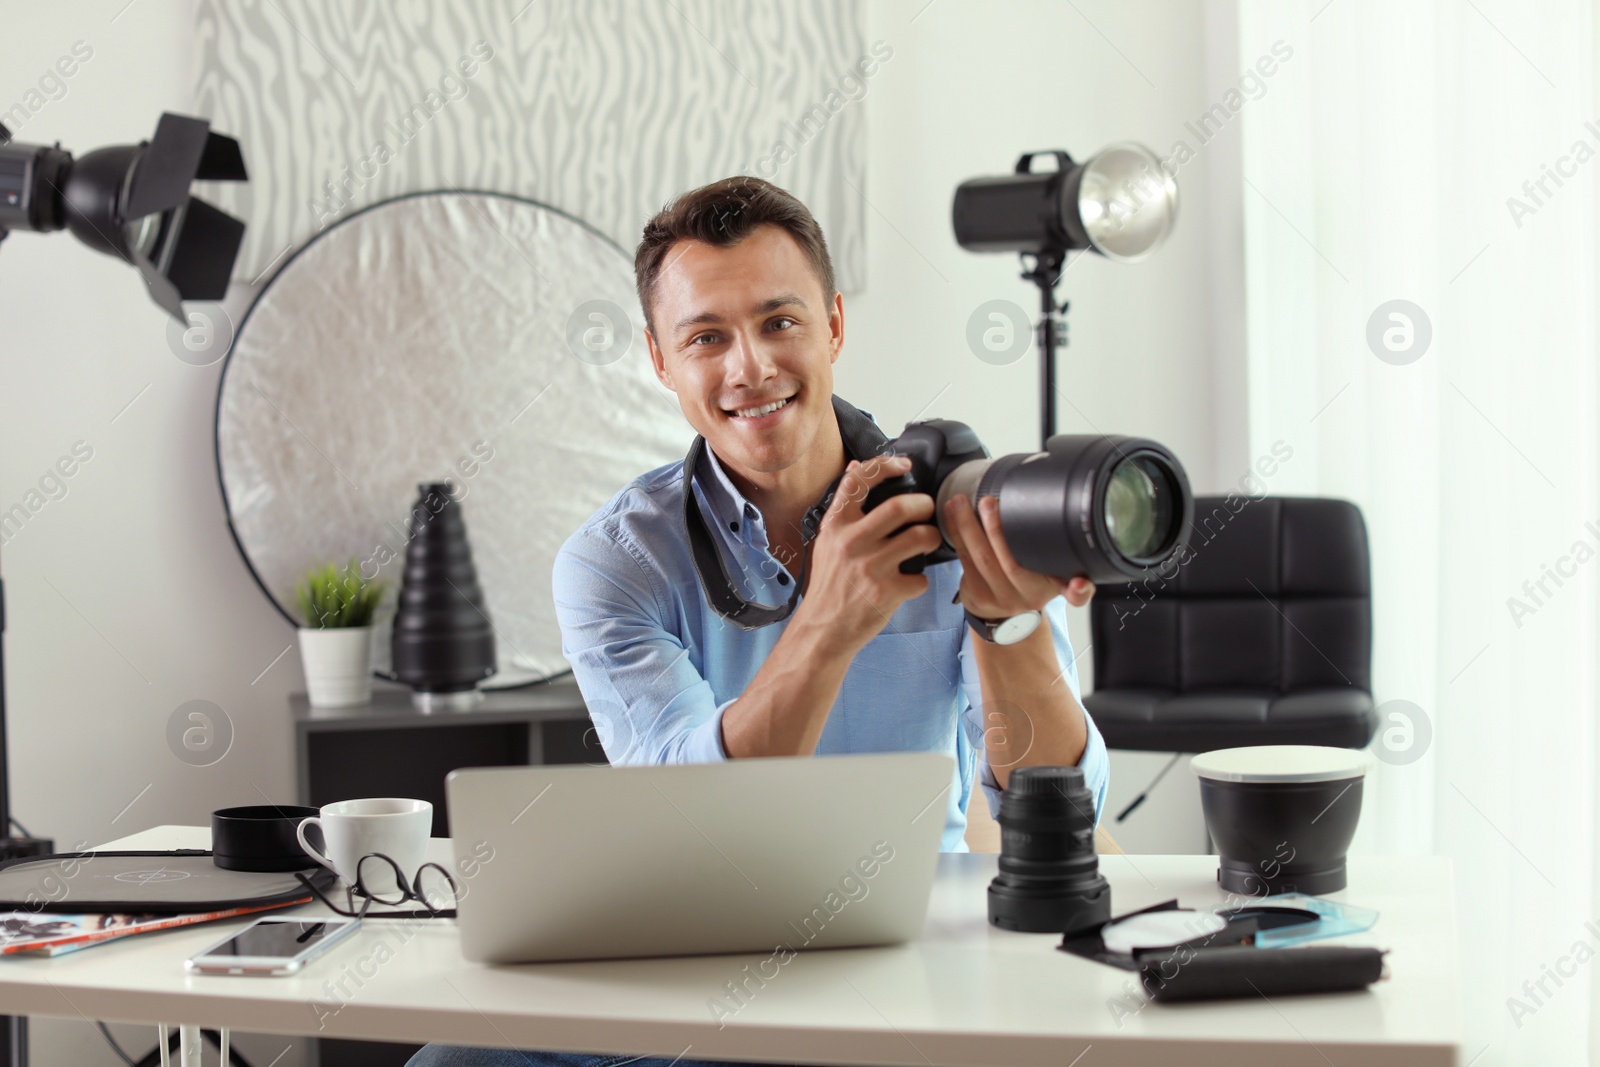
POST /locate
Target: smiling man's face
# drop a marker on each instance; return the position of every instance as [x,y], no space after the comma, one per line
[739,329]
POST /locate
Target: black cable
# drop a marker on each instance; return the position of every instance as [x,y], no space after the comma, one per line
[1140,799]
[23,830]
[106,1033]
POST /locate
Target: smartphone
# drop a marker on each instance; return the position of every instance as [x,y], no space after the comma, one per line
[271,946]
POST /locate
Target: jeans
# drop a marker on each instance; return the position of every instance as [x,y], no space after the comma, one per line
[456,1056]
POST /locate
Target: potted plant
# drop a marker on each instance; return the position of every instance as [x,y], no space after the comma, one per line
[337,605]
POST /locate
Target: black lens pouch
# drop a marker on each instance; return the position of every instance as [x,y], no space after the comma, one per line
[1224,962]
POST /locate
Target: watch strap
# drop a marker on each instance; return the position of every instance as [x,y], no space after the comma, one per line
[987,628]
[984,627]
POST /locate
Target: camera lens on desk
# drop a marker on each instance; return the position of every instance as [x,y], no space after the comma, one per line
[1049,880]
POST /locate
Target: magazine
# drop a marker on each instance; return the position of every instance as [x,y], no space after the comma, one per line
[32,933]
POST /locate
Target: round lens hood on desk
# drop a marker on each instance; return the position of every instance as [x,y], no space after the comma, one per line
[1282,816]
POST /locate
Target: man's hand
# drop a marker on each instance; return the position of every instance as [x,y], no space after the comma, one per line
[993,584]
[853,581]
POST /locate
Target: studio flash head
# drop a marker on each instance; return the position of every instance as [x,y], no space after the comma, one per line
[1120,203]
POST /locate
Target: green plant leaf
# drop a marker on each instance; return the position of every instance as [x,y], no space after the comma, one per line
[332,597]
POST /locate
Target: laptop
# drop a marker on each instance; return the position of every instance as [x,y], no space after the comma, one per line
[584,863]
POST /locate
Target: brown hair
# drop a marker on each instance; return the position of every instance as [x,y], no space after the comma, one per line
[723,214]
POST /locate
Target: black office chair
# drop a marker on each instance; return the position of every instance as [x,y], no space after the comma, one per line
[1263,637]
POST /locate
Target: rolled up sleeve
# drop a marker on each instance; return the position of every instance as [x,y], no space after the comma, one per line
[648,702]
[1095,762]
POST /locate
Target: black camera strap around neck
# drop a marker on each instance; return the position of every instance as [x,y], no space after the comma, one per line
[862,439]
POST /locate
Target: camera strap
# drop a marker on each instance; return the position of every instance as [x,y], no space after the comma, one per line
[862,439]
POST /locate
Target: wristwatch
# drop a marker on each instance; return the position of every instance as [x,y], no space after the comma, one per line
[1005,631]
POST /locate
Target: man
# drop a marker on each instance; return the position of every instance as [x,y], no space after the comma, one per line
[744,325]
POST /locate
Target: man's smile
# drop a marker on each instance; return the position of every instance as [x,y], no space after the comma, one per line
[761,413]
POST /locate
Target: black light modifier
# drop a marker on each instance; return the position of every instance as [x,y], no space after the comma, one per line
[443,642]
[133,202]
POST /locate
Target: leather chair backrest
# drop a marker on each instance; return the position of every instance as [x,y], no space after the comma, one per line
[1271,593]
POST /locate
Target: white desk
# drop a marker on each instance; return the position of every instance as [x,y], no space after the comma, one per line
[963,993]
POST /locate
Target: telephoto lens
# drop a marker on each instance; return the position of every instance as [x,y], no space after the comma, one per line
[1049,880]
[1105,507]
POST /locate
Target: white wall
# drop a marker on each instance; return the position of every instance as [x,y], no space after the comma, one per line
[126,598]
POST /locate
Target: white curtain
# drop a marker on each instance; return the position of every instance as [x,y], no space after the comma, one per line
[1386,160]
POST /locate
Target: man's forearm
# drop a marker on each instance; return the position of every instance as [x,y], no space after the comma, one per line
[783,710]
[1030,717]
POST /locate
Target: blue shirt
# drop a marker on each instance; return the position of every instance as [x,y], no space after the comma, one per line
[657,665]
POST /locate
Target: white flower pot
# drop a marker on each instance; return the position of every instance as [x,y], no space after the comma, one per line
[338,665]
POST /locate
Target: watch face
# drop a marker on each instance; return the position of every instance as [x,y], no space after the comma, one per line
[1016,628]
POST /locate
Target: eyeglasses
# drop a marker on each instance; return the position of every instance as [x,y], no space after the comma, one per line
[379,880]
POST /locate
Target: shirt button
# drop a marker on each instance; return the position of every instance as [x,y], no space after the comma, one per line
[783,579]
[734,526]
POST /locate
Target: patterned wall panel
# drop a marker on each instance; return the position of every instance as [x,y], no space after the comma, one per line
[603,108]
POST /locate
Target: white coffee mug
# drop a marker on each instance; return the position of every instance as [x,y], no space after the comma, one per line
[353,828]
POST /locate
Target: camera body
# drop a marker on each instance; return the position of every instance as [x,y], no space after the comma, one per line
[937,448]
